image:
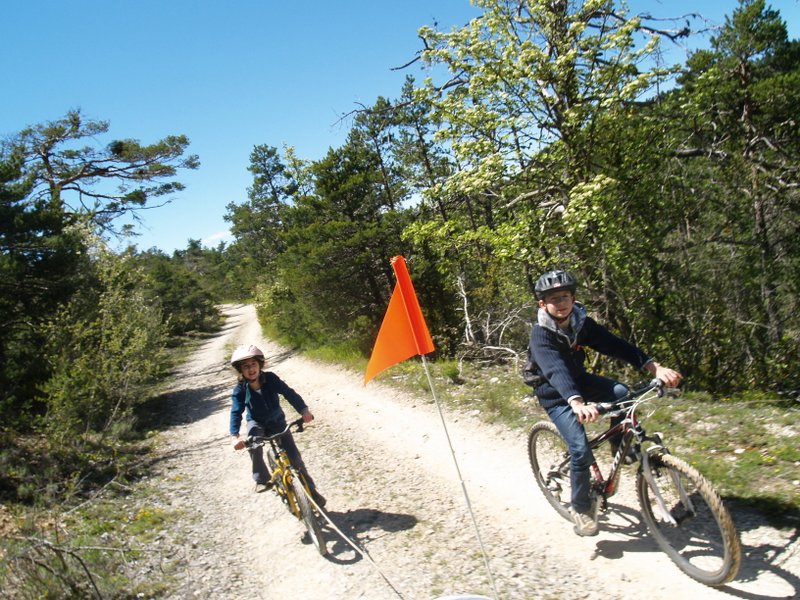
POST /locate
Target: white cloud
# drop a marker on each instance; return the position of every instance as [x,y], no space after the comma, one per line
[216,237]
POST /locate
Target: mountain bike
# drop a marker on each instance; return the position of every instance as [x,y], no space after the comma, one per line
[289,484]
[681,508]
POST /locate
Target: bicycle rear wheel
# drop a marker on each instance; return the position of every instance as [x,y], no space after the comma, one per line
[308,515]
[703,540]
[549,458]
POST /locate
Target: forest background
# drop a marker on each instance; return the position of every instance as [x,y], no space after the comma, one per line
[559,139]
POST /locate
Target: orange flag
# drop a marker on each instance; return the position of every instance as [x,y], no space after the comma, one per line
[403,333]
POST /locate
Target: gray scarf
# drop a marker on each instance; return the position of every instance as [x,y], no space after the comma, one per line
[576,320]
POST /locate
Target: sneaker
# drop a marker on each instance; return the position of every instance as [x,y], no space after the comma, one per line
[263,487]
[585,525]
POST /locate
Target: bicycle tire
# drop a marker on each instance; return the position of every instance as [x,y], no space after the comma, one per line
[549,458]
[308,515]
[705,544]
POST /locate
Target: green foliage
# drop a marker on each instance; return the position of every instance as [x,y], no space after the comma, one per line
[54,195]
[105,347]
[42,261]
[737,146]
[553,143]
[184,286]
[257,225]
[66,173]
[328,275]
[82,340]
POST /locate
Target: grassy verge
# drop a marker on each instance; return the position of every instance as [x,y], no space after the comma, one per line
[85,524]
[78,519]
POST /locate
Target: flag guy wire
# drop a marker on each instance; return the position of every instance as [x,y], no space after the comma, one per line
[403,334]
[460,478]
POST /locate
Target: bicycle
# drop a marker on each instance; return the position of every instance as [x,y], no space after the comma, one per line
[681,508]
[289,484]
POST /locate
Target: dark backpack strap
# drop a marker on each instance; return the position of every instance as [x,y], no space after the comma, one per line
[530,371]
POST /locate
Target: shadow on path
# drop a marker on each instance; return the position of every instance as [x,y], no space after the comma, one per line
[182,407]
[757,559]
[362,526]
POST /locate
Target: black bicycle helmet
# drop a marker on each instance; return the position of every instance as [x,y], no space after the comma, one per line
[554,280]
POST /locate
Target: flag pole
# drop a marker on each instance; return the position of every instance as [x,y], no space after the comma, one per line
[460,478]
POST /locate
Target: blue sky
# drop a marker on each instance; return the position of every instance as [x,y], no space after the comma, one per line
[229,75]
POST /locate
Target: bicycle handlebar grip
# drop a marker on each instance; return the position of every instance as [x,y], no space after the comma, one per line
[605,407]
[658,385]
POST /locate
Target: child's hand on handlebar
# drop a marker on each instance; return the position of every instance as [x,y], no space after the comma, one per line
[238,443]
[670,377]
[586,413]
[307,416]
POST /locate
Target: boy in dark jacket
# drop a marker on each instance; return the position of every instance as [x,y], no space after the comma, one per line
[566,390]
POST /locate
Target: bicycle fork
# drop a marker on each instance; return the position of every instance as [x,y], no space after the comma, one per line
[647,471]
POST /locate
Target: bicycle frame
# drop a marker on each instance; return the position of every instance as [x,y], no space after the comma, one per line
[290,484]
[284,473]
[633,435]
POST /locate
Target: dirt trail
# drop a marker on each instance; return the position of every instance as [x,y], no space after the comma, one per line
[382,460]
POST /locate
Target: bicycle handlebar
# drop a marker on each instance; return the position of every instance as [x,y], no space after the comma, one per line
[618,407]
[255,440]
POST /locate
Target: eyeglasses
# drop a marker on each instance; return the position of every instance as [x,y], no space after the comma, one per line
[558,299]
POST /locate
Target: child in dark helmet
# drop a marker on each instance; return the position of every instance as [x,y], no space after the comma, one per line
[565,389]
[257,392]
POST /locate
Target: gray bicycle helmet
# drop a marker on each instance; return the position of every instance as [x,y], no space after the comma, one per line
[554,280]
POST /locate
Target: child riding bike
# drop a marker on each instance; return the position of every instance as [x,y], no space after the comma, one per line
[565,389]
[257,392]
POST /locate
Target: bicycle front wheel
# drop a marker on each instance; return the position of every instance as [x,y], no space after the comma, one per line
[691,525]
[549,458]
[309,517]
[280,486]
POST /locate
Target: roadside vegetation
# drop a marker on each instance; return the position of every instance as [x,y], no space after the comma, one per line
[670,192]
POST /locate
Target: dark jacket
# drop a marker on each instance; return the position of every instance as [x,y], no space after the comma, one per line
[559,356]
[264,408]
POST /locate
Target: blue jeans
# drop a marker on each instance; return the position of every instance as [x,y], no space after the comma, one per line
[593,388]
[260,472]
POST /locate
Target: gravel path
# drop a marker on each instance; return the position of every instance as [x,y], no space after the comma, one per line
[382,460]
